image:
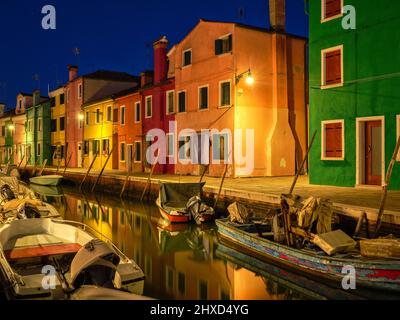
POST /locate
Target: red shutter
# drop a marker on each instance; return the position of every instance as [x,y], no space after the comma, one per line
[333,67]
[333,140]
[332,8]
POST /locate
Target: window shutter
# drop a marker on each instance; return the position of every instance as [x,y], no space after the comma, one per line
[218,46]
[332,8]
[333,140]
[230,42]
[333,68]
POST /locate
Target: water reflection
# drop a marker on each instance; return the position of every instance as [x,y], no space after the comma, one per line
[181,261]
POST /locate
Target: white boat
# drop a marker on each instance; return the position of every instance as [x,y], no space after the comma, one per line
[56,259]
[47,180]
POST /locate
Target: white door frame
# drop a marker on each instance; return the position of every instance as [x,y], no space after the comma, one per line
[360,143]
[80,154]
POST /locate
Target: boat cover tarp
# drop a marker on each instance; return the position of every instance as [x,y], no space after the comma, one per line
[177,195]
[316,210]
[98,293]
[238,213]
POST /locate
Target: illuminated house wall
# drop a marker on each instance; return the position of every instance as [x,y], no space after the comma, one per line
[274,106]
[57,127]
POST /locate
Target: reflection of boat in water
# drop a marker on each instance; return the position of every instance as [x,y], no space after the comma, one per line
[181,203]
[33,248]
[47,180]
[48,191]
[279,281]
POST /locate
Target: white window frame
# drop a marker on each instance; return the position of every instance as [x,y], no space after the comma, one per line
[40,125]
[151,109]
[186,159]
[167,102]
[120,154]
[323,67]
[227,144]
[120,116]
[111,114]
[177,101]
[398,134]
[183,58]
[323,19]
[199,97]
[137,103]
[80,90]
[141,156]
[323,138]
[173,145]
[220,93]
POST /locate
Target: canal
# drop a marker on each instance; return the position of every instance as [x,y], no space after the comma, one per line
[183,261]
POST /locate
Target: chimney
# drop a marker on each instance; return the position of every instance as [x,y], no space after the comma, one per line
[277,15]
[160,60]
[36,97]
[73,72]
[146,77]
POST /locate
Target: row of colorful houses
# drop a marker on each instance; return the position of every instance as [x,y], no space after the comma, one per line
[232,94]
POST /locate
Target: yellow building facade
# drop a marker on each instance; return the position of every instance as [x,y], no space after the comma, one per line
[58,127]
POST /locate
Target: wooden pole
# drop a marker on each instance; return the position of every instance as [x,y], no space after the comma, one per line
[27,161]
[35,167]
[102,169]
[10,157]
[385,187]
[303,163]
[66,164]
[43,166]
[150,174]
[88,170]
[128,174]
[220,186]
[204,172]
[19,165]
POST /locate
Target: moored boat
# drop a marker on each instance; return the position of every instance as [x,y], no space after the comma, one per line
[47,180]
[382,274]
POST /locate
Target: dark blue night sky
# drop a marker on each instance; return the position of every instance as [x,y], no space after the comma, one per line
[115,35]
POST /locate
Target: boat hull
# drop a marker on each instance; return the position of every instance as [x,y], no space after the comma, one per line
[174,218]
[46,180]
[376,274]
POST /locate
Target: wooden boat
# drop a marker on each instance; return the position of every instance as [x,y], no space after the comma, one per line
[69,254]
[48,191]
[370,273]
[173,199]
[47,180]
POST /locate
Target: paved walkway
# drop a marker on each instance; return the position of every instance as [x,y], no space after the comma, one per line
[363,197]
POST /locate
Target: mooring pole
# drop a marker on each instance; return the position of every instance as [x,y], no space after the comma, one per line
[220,186]
[66,164]
[19,165]
[102,169]
[204,172]
[149,178]
[88,170]
[385,187]
[27,161]
[128,174]
[35,167]
[11,156]
[303,163]
[43,166]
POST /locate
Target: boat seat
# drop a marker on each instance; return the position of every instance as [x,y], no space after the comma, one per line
[41,251]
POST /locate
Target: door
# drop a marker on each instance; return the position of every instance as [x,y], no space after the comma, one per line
[129,160]
[373,153]
[202,162]
[80,155]
[115,155]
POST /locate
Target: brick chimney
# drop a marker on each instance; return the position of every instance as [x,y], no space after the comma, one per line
[36,97]
[146,77]
[277,15]
[160,60]
[72,72]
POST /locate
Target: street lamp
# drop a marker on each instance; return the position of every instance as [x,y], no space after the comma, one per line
[249,77]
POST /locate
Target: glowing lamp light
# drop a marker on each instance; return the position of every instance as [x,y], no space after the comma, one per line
[81,116]
[11,127]
[249,79]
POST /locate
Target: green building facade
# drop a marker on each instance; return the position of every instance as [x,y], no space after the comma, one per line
[38,134]
[354,89]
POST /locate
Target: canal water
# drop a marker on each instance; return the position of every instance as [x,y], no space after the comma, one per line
[183,261]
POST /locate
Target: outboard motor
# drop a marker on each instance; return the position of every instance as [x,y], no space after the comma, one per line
[26,211]
[7,193]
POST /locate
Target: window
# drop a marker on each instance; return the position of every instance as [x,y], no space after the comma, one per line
[169,278]
[3,131]
[220,146]
[30,125]
[224,295]
[97,115]
[184,147]
[149,106]
[138,111]
[39,149]
[187,57]
[203,290]
[62,98]
[170,102]
[62,152]
[52,102]
[332,67]
[86,147]
[20,104]
[182,101]
[87,118]
[53,125]
[106,147]
[181,283]
[80,91]
[109,113]
[331,9]
[62,123]
[332,140]
[96,146]
[203,98]
[225,93]
[170,144]
[138,151]
[122,151]
[223,45]
[122,115]
[39,124]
